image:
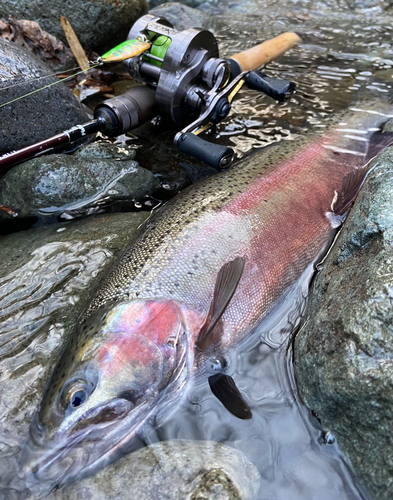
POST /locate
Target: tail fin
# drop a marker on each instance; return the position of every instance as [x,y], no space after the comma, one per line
[380,140]
[354,180]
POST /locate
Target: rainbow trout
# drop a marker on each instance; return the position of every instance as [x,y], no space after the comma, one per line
[204,272]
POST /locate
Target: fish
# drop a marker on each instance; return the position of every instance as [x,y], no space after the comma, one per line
[204,272]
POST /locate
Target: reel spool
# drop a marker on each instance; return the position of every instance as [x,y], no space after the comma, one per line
[184,63]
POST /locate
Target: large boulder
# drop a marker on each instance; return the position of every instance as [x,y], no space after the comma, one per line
[99,173]
[99,24]
[182,16]
[344,352]
[38,116]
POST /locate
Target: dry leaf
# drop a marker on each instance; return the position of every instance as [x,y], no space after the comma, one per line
[74,44]
[5,29]
[31,36]
[8,210]
[36,36]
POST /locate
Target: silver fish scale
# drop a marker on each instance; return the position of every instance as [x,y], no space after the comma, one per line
[168,229]
[151,266]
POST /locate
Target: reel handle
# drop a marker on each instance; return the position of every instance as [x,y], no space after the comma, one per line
[266,51]
[218,157]
[276,88]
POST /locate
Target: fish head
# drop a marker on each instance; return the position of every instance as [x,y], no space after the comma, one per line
[122,361]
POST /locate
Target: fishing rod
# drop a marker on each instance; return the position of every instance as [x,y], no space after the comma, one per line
[185,79]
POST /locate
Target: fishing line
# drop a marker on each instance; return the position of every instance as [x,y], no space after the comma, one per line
[46,86]
[40,78]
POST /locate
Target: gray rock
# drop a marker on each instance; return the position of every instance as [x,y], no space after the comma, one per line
[99,24]
[44,275]
[40,115]
[181,16]
[76,184]
[106,150]
[172,470]
[344,353]
[190,3]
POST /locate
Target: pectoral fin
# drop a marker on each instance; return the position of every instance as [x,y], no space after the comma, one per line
[227,280]
[225,390]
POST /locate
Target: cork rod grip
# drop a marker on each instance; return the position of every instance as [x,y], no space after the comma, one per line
[266,51]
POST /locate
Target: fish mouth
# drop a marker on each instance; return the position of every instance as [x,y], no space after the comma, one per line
[46,465]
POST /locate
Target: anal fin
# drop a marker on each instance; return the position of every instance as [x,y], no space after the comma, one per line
[225,390]
[227,281]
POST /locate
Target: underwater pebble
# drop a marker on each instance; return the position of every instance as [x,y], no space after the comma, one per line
[172,470]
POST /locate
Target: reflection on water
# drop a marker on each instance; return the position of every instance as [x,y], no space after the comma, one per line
[338,56]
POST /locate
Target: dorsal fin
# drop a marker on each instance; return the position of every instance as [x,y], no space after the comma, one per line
[227,280]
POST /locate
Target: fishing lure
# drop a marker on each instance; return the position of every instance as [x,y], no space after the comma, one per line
[126,50]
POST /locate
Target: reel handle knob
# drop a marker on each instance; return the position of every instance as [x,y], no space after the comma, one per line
[276,88]
[218,157]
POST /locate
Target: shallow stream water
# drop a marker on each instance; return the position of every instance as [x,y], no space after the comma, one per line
[343,52]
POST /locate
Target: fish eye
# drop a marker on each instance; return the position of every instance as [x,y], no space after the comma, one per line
[78,398]
[74,394]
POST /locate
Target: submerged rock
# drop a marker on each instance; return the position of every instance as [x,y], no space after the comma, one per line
[38,116]
[344,352]
[45,274]
[99,24]
[172,470]
[99,173]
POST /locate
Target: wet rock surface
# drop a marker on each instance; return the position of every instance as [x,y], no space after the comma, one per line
[174,470]
[344,352]
[47,275]
[99,173]
[99,24]
[40,115]
[44,293]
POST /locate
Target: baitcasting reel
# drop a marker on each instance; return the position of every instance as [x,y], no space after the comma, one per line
[191,85]
[185,80]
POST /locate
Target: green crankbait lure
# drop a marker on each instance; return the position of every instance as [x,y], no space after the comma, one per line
[126,50]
